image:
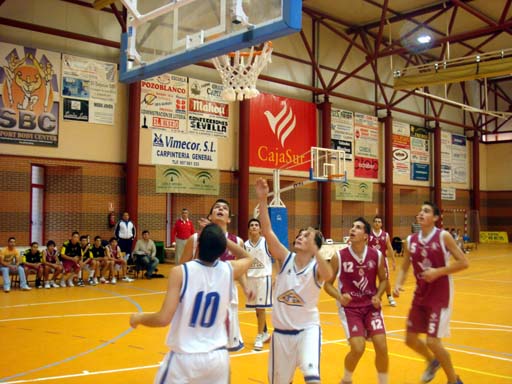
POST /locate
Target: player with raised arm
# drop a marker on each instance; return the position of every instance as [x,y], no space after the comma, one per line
[197,301]
[429,253]
[296,341]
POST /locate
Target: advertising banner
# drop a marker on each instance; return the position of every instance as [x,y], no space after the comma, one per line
[91,80]
[448,193]
[420,172]
[184,150]
[29,102]
[163,102]
[208,112]
[401,143]
[366,134]
[195,181]
[446,157]
[342,131]
[281,132]
[459,159]
[355,191]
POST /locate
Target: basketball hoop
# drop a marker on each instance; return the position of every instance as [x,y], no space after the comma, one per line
[240,70]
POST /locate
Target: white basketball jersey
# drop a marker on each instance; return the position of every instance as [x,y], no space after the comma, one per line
[296,296]
[262,261]
[199,324]
[195,237]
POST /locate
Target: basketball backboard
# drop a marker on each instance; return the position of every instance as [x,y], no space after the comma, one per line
[327,165]
[164,35]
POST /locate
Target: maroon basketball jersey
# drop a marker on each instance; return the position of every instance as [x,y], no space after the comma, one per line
[378,241]
[358,277]
[430,252]
[226,256]
[51,257]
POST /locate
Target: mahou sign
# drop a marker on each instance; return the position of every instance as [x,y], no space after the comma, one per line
[281,132]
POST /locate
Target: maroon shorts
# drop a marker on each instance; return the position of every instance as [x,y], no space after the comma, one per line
[362,321]
[32,268]
[434,321]
[68,266]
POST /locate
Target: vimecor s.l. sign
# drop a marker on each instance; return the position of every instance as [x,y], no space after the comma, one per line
[282,132]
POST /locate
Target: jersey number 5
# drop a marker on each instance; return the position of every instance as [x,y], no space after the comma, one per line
[205,309]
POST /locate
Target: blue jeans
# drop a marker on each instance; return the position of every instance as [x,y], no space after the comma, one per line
[149,263]
[7,279]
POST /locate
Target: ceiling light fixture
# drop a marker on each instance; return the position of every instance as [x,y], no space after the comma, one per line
[424,39]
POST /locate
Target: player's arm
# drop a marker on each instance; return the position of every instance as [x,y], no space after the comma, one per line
[277,250]
[324,270]
[460,263]
[242,280]
[243,259]
[164,316]
[343,299]
[2,261]
[390,252]
[187,255]
[402,271]
[383,281]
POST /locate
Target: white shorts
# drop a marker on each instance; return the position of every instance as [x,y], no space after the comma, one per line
[262,288]
[289,351]
[201,368]
[235,341]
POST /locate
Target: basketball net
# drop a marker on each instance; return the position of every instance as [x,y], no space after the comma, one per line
[240,70]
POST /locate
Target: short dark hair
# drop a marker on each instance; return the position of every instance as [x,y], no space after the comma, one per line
[377,217]
[34,243]
[184,209]
[97,237]
[253,220]
[11,238]
[319,237]
[435,208]
[83,237]
[212,243]
[367,226]
[112,239]
[50,242]
[220,201]
[145,231]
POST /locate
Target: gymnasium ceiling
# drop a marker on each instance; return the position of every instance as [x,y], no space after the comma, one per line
[378,28]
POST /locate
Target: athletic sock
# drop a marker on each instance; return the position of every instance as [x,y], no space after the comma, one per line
[80,274]
[91,275]
[382,378]
[347,376]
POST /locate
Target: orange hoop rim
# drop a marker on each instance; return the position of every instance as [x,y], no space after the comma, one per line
[254,53]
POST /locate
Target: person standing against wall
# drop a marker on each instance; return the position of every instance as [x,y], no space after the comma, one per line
[125,233]
[182,230]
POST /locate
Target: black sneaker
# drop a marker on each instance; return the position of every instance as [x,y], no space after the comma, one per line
[39,284]
[80,283]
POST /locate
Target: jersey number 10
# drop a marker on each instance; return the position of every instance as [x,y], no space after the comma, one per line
[205,309]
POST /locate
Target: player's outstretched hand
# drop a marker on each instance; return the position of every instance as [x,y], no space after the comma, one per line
[203,222]
[396,291]
[345,299]
[262,188]
[430,274]
[376,302]
[134,320]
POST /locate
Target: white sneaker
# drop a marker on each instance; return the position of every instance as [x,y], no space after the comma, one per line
[128,279]
[95,281]
[70,283]
[392,301]
[47,285]
[265,337]
[54,285]
[258,343]
[113,281]
[102,280]
[26,288]
[63,283]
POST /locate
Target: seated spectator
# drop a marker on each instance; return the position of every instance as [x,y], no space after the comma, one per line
[104,263]
[145,255]
[119,261]
[51,264]
[70,255]
[87,262]
[10,264]
[32,262]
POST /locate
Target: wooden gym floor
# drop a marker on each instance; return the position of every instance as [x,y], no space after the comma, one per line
[81,335]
